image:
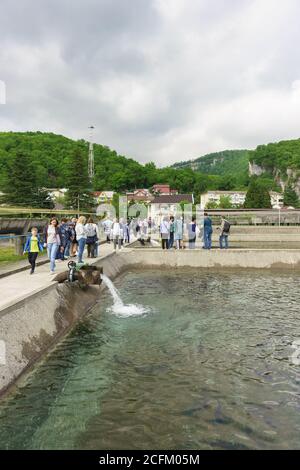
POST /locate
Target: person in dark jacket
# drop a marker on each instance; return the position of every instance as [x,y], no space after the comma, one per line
[33,247]
[224,234]
[172,230]
[64,232]
[208,231]
[192,234]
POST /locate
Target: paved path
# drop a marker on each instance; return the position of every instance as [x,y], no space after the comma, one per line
[12,267]
[17,286]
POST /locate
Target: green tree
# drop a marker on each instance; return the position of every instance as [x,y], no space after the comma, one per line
[42,199]
[21,187]
[225,202]
[257,196]
[79,194]
[290,197]
[212,205]
[184,203]
[115,203]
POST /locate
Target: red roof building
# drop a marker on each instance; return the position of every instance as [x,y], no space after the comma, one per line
[140,195]
[163,190]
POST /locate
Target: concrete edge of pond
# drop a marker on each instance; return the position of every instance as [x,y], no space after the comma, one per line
[32,326]
[215,259]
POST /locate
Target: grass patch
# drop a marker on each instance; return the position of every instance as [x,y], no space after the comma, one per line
[7,255]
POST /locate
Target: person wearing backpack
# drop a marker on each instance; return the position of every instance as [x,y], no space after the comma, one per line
[225,231]
[92,236]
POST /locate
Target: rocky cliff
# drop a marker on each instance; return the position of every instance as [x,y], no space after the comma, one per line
[282,177]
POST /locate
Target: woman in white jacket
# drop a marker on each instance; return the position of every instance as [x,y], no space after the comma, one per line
[117,234]
[80,236]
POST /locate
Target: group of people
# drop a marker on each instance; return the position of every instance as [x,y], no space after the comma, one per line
[70,237]
[63,240]
[117,231]
[172,233]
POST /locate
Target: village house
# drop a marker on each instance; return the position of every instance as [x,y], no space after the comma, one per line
[163,190]
[167,205]
[237,198]
[102,197]
[140,195]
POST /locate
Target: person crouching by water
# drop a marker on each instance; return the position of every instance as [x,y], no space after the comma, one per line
[225,231]
[208,231]
[81,237]
[165,233]
[52,241]
[33,247]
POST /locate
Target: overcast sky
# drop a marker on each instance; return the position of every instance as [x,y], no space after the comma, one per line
[161,80]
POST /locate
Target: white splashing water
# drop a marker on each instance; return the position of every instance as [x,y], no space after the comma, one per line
[154,243]
[119,308]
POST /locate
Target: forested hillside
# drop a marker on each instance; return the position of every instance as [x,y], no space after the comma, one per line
[279,156]
[227,163]
[50,153]
[49,156]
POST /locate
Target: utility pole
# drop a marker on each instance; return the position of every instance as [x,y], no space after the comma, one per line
[91,169]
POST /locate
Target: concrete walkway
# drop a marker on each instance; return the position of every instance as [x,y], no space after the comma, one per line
[16,287]
[8,268]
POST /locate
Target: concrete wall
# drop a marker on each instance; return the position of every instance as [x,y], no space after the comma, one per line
[31,327]
[220,259]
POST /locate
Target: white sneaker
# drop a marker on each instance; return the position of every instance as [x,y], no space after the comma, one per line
[52,272]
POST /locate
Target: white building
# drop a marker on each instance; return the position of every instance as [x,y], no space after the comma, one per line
[165,206]
[276,200]
[237,198]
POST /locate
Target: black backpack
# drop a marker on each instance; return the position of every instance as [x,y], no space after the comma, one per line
[227,226]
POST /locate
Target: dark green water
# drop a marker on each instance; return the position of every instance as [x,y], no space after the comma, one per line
[209,368]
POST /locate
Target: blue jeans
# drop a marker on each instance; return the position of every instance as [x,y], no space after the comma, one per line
[52,249]
[81,245]
[207,240]
[171,240]
[223,241]
[96,250]
[192,243]
[67,248]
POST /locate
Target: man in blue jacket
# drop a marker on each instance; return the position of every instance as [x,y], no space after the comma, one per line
[208,231]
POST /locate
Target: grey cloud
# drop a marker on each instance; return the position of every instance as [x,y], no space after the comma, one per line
[161,80]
